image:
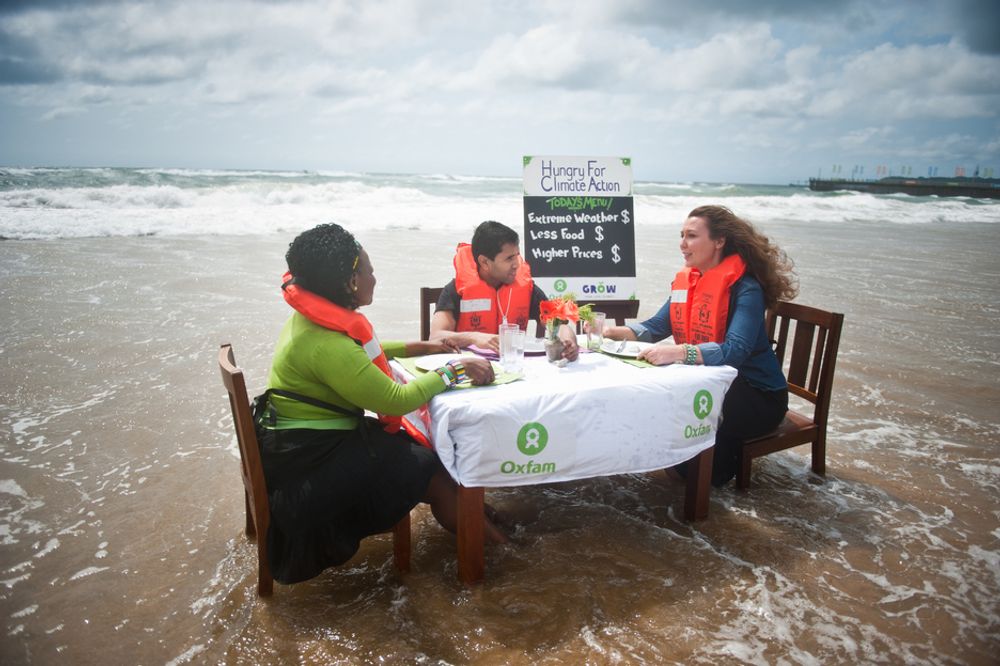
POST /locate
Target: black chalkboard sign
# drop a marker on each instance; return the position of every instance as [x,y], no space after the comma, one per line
[579,236]
[580,243]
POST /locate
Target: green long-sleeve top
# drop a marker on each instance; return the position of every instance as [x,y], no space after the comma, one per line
[331,367]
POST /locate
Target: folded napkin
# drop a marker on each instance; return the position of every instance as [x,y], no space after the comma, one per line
[631,361]
[500,377]
[485,353]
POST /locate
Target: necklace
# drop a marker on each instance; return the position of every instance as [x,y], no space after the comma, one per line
[503,313]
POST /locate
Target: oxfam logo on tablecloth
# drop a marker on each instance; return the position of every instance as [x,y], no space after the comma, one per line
[702,404]
[532,438]
[560,285]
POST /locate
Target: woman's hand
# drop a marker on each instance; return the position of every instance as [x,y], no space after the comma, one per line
[461,340]
[424,347]
[662,354]
[479,370]
[619,333]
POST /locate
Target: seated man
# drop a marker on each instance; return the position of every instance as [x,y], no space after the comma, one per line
[492,286]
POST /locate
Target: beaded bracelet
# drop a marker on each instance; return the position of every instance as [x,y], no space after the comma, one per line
[447,376]
[459,369]
[690,354]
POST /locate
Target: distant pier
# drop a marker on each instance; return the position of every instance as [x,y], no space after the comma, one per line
[982,188]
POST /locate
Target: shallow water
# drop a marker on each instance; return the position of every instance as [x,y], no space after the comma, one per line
[121,512]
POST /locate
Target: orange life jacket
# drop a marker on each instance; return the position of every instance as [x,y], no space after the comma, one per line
[699,303]
[356,326]
[480,304]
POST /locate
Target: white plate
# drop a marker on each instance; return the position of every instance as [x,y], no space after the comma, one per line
[435,361]
[631,350]
[534,345]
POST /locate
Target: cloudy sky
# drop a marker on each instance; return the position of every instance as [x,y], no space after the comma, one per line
[766,91]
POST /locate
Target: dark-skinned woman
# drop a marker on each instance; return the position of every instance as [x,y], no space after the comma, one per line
[333,475]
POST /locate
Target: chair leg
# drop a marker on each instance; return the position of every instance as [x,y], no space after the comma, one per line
[401,544]
[251,528]
[819,454]
[265,583]
[743,475]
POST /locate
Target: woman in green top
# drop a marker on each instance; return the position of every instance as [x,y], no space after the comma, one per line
[334,476]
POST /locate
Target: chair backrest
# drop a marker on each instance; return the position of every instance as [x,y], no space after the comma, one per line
[616,310]
[428,299]
[250,463]
[815,340]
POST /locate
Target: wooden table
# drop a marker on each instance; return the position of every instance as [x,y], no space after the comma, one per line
[599,416]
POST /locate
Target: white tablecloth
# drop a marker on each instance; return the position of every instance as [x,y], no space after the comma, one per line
[595,417]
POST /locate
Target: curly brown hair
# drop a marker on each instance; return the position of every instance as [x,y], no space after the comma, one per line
[765,261]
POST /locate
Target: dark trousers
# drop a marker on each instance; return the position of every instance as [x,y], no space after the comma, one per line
[746,412]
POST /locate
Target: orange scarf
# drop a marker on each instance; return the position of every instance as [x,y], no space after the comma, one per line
[356,326]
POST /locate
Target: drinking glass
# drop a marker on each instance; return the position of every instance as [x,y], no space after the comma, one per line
[511,353]
[518,357]
[595,331]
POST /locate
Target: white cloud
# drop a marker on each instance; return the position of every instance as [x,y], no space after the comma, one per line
[928,81]
[749,59]
[769,76]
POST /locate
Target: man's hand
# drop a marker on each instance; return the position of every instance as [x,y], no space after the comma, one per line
[571,350]
[486,341]
[457,341]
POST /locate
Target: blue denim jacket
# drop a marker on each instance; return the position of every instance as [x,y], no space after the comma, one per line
[746,346]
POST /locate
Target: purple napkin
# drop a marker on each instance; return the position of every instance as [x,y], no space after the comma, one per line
[485,353]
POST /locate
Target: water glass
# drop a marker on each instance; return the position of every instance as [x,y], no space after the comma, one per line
[511,347]
[519,341]
[595,331]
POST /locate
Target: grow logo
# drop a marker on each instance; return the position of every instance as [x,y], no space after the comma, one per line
[560,285]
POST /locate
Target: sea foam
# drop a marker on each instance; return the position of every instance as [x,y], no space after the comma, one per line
[77,203]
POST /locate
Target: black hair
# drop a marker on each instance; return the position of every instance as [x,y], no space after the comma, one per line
[490,237]
[322,260]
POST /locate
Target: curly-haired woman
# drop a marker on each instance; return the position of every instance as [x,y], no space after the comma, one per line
[732,274]
[333,475]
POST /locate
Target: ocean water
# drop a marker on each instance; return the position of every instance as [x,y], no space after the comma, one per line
[42,203]
[120,501]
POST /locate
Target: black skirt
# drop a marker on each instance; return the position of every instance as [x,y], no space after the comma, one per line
[328,489]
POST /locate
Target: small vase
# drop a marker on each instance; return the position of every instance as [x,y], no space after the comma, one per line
[554,349]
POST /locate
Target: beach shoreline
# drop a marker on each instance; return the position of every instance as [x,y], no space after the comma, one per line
[122,509]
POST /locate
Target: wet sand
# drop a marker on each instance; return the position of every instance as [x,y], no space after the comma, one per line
[121,507]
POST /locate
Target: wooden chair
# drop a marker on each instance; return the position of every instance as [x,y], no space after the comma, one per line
[618,310]
[428,299]
[810,370]
[254,486]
